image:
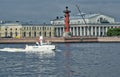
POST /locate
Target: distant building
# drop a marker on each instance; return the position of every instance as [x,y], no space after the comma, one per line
[86,25]
[38,30]
[10,30]
[14,30]
[96,25]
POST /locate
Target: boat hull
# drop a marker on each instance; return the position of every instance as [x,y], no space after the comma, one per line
[44,48]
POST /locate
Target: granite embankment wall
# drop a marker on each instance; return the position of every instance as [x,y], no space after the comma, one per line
[15,40]
[29,40]
[108,39]
[61,39]
[72,39]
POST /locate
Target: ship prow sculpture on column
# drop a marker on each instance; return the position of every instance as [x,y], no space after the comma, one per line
[67,26]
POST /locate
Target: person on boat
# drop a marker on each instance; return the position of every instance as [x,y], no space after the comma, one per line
[37,44]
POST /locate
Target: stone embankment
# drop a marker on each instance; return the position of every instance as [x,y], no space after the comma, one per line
[61,39]
[16,40]
[108,39]
[72,39]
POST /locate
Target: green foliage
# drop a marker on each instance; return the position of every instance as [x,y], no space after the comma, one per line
[113,32]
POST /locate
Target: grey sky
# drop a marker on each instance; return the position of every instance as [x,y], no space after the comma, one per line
[46,10]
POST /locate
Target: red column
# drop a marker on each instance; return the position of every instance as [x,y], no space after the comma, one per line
[67,19]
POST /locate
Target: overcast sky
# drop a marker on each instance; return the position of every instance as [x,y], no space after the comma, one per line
[45,10]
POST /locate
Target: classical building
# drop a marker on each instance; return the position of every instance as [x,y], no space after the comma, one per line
[15,30]
[91,25]
[10,30]
[38,30]
[86,25]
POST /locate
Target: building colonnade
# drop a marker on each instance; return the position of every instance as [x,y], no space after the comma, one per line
[82,30]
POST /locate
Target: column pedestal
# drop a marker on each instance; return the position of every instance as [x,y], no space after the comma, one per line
[66,34]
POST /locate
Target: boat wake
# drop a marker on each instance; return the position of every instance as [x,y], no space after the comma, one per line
[13,49]
[58,50]
[26,51]
[40,54]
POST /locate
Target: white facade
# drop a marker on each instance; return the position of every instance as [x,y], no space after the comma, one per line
[97,30]
[96,25]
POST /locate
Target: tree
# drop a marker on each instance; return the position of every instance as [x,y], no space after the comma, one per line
[113,32]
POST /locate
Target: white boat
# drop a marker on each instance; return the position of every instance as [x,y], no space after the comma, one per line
[40,46]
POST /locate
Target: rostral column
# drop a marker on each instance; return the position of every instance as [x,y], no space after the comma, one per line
[67,26]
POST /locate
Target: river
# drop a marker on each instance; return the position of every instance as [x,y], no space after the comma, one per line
[69,60]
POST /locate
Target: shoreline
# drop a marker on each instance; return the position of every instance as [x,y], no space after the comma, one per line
[61,40]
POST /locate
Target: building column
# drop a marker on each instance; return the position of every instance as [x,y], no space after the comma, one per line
[84,33]
[56,31]
[99,32]
[95,31]
[73,31]
[80,31]
[77,31]
[60,32]
[63,29]
[103,31]
[88,30]
[91,30]
[70,29]
[106,31]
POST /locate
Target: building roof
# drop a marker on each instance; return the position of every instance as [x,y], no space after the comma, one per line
[86,16]
[11,24]
[79,16]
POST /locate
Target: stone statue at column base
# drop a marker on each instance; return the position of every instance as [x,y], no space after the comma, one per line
[66,34]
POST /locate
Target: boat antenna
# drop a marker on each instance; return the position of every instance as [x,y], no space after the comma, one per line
[83,18]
